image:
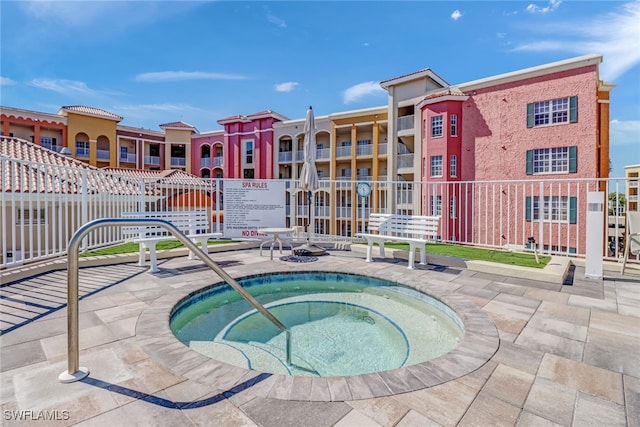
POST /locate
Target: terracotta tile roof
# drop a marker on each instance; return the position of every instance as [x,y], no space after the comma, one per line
[40,170]
[165,177]
[179,125]
[405,75]
[91,111]
[450,91]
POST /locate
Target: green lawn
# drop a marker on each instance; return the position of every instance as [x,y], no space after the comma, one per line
[481,254]
[127,248]
[458,251]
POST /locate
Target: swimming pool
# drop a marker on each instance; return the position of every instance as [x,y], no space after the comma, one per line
[341,324]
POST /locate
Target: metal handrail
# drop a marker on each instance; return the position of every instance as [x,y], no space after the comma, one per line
[74,371]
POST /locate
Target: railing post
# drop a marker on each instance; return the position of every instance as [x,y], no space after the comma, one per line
[74,371]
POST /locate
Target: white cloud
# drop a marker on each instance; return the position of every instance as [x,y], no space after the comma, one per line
[625,132]
[6,81]
[553,5]
[456,14]
[156,107]
[615,35]
[361,90]
[285,87]
[65,87]
[166,76]
[280,23]
[501,35]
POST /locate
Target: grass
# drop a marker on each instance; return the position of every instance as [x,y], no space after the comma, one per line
[458,251]
[128,248]
[480,254]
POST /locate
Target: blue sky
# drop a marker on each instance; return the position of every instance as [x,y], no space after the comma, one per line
[155,62]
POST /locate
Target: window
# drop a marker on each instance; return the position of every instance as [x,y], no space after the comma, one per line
[453,122]
[123,153]
[436,165]
[48,142]
[248,152]
[552,160]
[551,209]
[555,111]
[453,166]
[436,126]
[436,206]
[82,148]
[30,216]
[453,210]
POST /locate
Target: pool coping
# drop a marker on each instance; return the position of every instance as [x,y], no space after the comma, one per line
[479,344]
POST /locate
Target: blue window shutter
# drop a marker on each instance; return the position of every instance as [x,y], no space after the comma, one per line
[530,115]
[573,109]
[527,209]
[529,162]
[573,159]
[572,210]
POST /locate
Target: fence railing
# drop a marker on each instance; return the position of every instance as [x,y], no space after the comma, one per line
[42,205]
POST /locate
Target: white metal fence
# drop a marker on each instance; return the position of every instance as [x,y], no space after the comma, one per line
[42,205]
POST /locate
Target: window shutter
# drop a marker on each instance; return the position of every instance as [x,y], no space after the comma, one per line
[573,109]
[572,210]
[573,159]
[527,208]
[529,162]
[530,115]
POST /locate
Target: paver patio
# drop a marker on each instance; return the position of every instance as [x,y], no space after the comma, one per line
[568,355]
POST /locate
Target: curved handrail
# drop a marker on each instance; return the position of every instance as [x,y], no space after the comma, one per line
[74,371]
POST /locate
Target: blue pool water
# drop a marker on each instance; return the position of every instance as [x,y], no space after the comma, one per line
[341,324]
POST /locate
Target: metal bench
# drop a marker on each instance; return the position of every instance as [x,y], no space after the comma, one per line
[411,229]
[194,224]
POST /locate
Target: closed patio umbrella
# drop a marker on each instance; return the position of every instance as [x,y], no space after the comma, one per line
[309,181]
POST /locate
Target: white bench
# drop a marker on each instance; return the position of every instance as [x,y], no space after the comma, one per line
[194,224]
[412,229]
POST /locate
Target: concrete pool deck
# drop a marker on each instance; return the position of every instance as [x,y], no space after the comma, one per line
[567,355]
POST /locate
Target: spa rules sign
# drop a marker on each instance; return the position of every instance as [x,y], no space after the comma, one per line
[250,205]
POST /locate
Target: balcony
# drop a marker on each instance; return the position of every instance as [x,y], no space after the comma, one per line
[344,151]
[285,156]
[82,152]
[51,147]
[128,157]
[323,154]
[103,155]
[382,149]
[152,160]
[205,162]
[405,122]
[633,183]
[178,161]
[405,161]
[364,150]
[218,161]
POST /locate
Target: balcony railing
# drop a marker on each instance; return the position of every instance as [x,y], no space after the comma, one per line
[323,153]
[128,157]
[205,162]
[178,161]
[218,160]
[382,149]
[405,122]
[633,183]
[51,147]
[344,151]
[285,156]
[103,154]
[151,160]
[405,161]
[364,150]
[82,152]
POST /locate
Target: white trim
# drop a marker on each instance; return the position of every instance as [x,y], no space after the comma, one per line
[527,73]
[429,101]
